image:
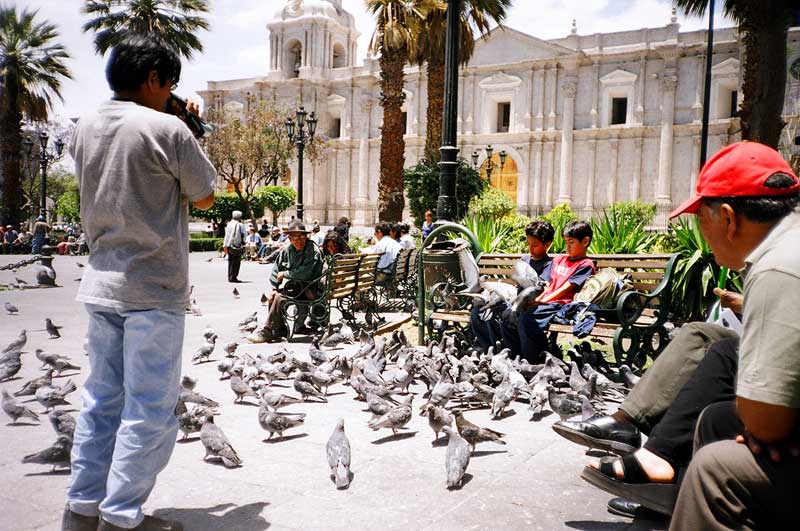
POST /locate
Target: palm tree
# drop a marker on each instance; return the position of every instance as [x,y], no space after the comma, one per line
[31,69]
[174,21]
[765,27]
[396,30]
[476,15]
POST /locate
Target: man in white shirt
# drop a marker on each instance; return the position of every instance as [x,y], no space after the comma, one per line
[389,247]
[233,245]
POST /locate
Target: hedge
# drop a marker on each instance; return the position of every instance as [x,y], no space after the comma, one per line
[205,244]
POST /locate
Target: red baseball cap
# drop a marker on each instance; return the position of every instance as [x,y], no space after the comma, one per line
[739,170]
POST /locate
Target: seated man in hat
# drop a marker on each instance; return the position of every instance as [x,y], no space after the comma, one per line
[297,274]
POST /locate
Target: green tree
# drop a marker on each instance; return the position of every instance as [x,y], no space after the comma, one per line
[277,199]
[476,17]
[32,66]
[395,39]
[251,150]
[422,188]
[175,22]
[222,210]
[68,204]
[764,25]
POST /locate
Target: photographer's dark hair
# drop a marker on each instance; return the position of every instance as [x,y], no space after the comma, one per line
[762,209]
[578,230]
[132,60]
[541,230]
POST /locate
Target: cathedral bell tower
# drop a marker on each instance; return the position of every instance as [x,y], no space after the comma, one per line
[309,37]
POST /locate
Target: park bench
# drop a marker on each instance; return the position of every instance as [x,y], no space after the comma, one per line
[347,283]
[635,323]
[402,285]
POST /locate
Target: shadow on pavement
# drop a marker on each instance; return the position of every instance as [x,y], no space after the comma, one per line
[223,516]
[633,525]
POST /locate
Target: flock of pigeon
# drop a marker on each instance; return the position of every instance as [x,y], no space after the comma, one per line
[457,378]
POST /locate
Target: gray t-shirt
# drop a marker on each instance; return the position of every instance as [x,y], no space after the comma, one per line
[769,353]
[136,169]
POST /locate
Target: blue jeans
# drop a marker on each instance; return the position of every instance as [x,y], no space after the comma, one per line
[126,429]
[528,338]
[487,333]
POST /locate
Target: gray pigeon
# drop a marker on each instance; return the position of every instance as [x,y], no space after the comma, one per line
[191,396]
[216,444]
[317,355]
[10,368]
[63,423]
[18,343]
[274,422]
[187,382]
[474,434]
[249,319]
[395,418]
[15,410]
[235,293]
[50,397]
[206,349]
[56,455]
[230,348]
[630,379]
[438,419]
[31,386]
[60,364]
[303,385]
[503,396]
[576,381]
[11,309]
[276,400]
[564,406]
[457,458]
[240,388]
[52,329]
[338,452]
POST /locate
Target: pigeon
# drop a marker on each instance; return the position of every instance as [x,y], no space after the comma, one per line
[10,368]
[276,400]
[564,406]
[230,348]
[59,363]
[63,423]
[79,264]
[31,386]
[263,299]
[188,395]
[338,452]
[474,434]
[194,308]
[240,388]
[209,259]
[20,282]
[587,409]
[56,455]
[206,349]
[17,344]
[323,380]
[303,385]
[191,421]
[274,422]
[503,396]
[377,405]
[11,309]
[15,410]
[187,382]
[395,418]
[457,458]
[50,397]
[249,319]
[576,381]
[216,444]
[235,293]
[630,379]
[439,418]
[317,355]
[52,329]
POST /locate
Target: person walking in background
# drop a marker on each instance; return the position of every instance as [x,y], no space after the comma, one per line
[135,285]
[40,230]
[427,225]
[233,245]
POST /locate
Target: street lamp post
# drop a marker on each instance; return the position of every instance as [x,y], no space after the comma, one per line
[297,134]
[448,167]
[45,157]
[490,164]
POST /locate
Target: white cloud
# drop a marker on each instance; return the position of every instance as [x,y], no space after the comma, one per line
[237,45]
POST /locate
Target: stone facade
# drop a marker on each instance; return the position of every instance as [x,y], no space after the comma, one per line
[586,119]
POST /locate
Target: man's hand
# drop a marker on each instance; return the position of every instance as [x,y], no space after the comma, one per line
[730,299]
[194,107]
[774,451]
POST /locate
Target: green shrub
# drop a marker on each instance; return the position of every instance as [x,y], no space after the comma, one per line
[422,188]
[493,203]
[277,199]
[488,231]
[356,243]
[634,211]
[558,217]
[197,245]
[618,232]
[515,241]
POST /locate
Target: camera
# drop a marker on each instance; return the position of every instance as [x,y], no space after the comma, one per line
[177,106]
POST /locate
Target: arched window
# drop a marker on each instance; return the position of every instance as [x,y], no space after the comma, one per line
[339,57]
[294,56]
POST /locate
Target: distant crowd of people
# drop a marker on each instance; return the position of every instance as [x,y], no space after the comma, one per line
[31,237]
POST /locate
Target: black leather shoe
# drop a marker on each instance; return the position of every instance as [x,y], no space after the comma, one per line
[631,509]
[150,523]
[72,521]
[603,432]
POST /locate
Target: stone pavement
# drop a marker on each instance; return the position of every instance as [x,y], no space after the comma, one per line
[399,483]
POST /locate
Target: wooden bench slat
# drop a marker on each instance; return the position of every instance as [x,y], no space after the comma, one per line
[644,275]
[633,264]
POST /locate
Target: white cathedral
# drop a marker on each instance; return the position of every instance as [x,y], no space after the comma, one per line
[586,120]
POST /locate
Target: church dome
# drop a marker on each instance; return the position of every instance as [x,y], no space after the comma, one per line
[307,8]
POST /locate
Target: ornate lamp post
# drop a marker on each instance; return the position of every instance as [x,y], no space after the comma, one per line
[490,164]
[45,157]
[300,133]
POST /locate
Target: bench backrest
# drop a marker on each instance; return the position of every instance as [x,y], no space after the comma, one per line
[343,275]
[367,272]
[646,270]
[402,268]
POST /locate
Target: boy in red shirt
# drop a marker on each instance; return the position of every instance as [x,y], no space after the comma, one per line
[567,275]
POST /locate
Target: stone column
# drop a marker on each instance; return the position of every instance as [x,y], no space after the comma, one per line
[595,93]
[537,173]
[333,171]
[695,170]
[469,103]
[551,97]
[550,154]
[697,107]
[570,88]
[611,197]
[528,101]
[664,182]
[363,168]
[638,114]
[636,184]
[540,76]
[590,180]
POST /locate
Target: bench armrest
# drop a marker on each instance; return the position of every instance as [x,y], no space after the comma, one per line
[631,304]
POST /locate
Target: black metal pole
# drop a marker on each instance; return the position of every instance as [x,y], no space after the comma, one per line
[300,147]
[43,207]
[448,167]
[707,86]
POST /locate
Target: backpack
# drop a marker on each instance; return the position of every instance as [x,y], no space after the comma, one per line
[237,239]
[603,288]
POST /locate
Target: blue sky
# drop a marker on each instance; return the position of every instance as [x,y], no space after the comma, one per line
[236,46]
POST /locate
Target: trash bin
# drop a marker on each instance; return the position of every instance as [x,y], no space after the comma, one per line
[448,261]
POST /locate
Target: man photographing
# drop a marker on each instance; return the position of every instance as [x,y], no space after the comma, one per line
[138,168]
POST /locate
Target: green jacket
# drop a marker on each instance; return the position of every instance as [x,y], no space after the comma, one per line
[303,266]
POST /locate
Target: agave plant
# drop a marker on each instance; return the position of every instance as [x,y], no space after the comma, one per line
[558,217]
[488,231]
[696,272]
[617,233]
